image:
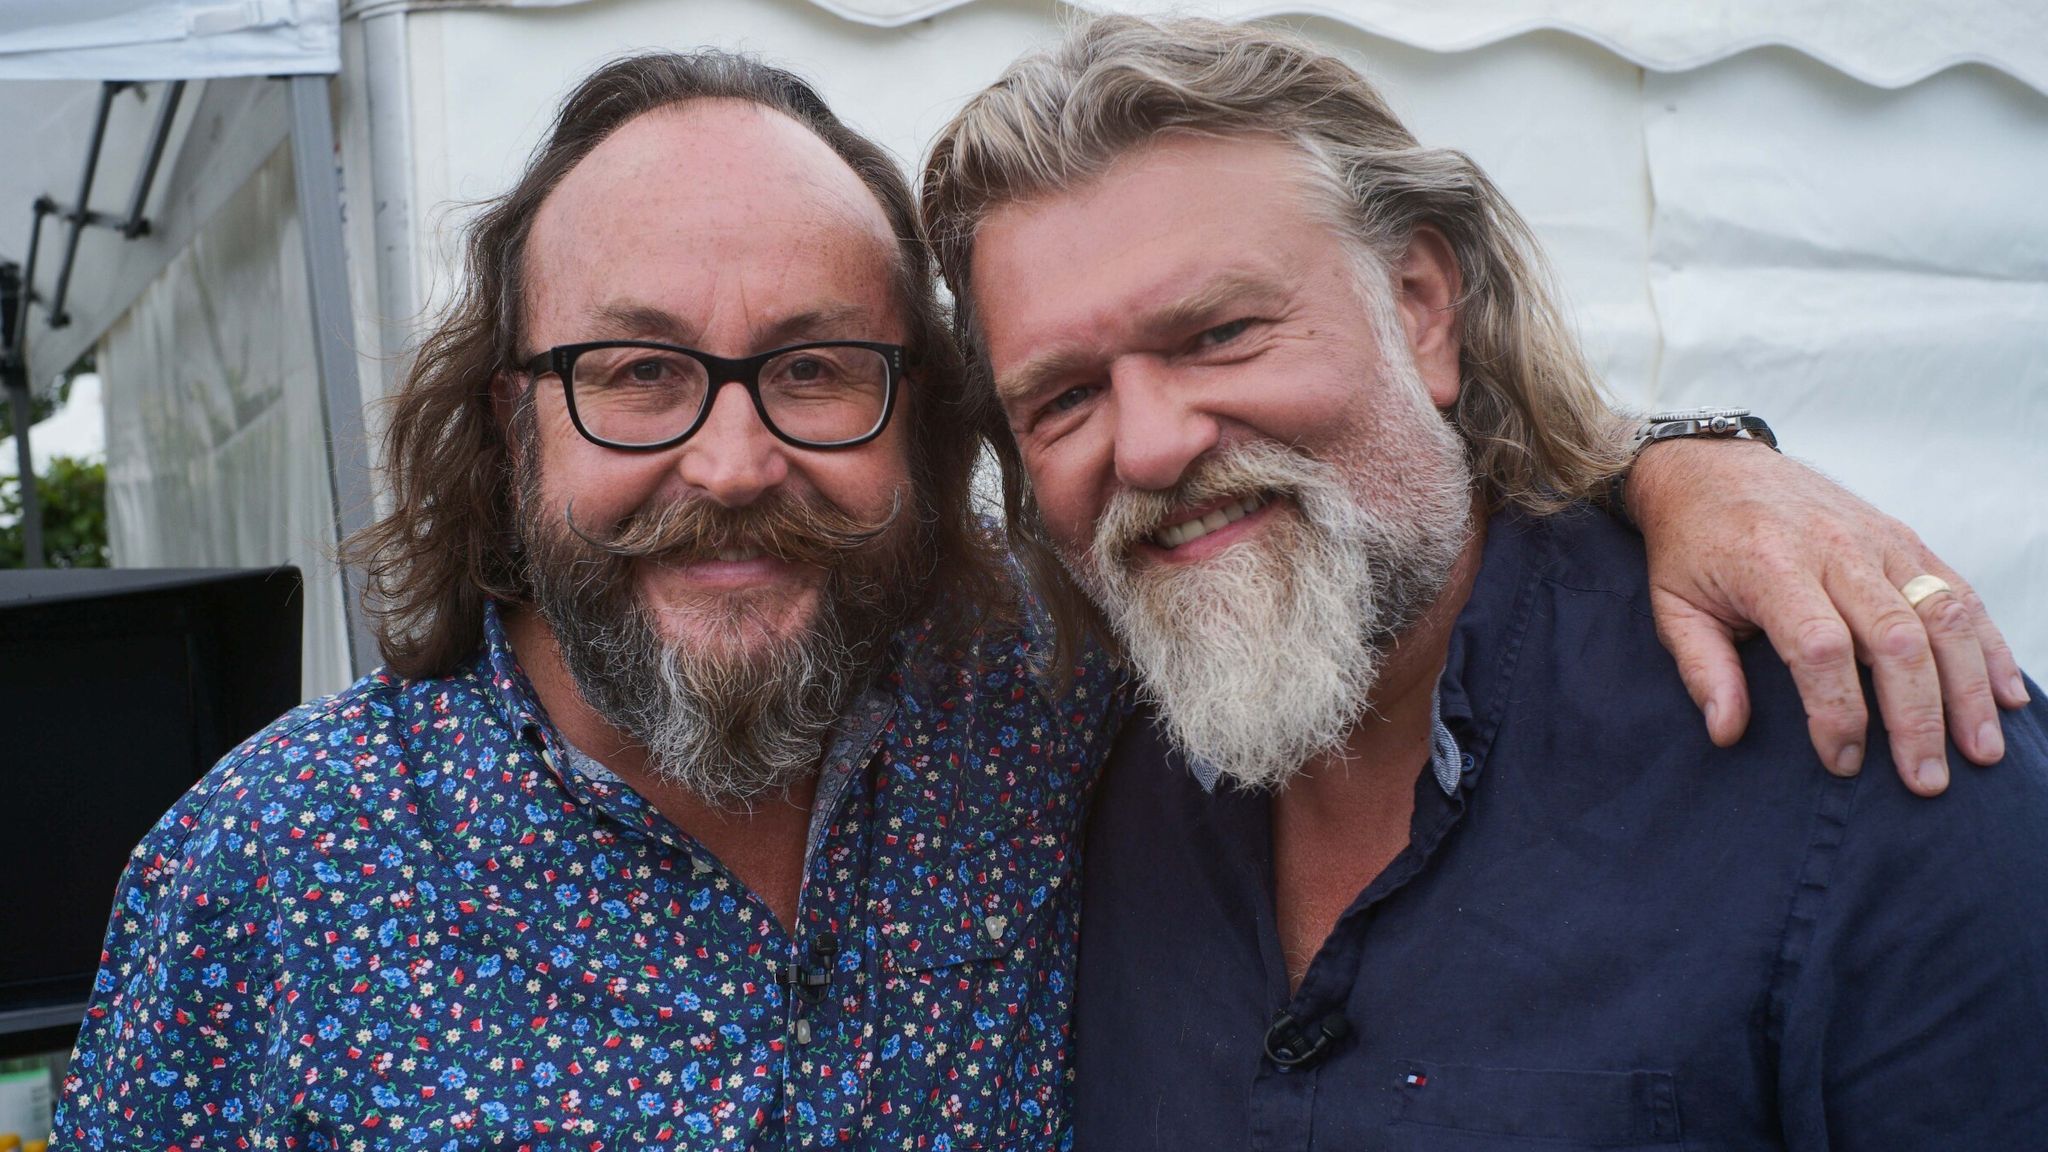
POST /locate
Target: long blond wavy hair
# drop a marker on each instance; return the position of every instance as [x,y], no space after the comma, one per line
[1537,426]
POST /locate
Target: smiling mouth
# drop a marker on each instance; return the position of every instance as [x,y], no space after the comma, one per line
[1195,527]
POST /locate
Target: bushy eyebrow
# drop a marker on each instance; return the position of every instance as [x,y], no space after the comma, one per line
[1227,291]
[630,321]
[627,321]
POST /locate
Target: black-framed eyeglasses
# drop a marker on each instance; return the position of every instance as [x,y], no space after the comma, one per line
[640,396]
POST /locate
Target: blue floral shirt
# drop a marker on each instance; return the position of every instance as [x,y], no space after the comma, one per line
[408,916]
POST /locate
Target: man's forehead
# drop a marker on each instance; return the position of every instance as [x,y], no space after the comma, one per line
[724,159]
[709,169]
[732,203]
[1175,233]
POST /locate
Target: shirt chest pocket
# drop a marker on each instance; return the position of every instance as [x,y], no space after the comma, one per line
[970,1009]
[1468,1108]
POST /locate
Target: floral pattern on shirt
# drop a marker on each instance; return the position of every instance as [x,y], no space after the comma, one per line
[401,918]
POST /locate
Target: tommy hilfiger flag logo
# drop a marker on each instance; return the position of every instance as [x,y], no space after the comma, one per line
[1417,1080]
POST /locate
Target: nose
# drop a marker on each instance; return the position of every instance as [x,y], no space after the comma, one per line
[1160,428]
[733,459]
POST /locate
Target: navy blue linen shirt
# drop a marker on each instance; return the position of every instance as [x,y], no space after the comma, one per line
[409,916]
[1610,935]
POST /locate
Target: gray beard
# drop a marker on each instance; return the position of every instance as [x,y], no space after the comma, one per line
[730,731]
[728,721]
[1263,658]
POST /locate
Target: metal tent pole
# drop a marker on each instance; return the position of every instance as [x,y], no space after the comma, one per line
[348,465]
[25,473]
[81,210]
[14,301]
[167,110]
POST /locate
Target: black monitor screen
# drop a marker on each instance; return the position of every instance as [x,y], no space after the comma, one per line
[117,691]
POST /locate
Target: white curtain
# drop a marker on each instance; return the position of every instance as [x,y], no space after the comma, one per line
[215,452]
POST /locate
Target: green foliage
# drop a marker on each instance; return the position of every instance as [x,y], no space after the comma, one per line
[43,405]
[74,496]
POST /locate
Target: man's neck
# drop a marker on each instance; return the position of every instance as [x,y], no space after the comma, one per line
[763,847]
[1345,816]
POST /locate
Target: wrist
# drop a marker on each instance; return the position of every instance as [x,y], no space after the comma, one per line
[1661,468]
[1631,491]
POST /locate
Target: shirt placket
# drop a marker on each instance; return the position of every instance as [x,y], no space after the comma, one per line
[821,974]
[1314,1028]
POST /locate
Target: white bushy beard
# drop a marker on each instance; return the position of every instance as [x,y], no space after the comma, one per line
[1262,657]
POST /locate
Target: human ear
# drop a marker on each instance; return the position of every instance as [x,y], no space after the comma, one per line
[1428,286]
[505,389]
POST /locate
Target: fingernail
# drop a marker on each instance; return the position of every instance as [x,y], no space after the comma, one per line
[1849,760]
[1713,714]
[1933,775]
[1990,741]
[2018,685]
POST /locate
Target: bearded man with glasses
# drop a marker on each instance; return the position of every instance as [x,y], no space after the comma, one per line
[718,792]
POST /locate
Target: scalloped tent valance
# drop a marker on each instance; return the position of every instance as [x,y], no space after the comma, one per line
[1885,43]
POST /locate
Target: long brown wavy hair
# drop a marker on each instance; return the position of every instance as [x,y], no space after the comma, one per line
[449,544]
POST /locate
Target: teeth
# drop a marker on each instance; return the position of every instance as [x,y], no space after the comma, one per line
[738,554]
[1175,535]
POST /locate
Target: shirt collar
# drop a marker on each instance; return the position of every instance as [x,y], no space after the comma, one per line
[516,698]
[1446,761]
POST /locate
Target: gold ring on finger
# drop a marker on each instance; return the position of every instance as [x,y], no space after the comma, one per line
[1921,587]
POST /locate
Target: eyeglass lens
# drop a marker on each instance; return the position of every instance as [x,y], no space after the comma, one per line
[648,396]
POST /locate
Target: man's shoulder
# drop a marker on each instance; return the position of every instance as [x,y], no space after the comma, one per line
[986,726]
[1579,547]
[1606,682]
[1005,657]
[373,732]
[1985,814]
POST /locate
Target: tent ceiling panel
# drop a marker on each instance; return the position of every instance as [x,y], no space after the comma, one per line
[1886,43]
[221,137]
[49,126]
[167,39]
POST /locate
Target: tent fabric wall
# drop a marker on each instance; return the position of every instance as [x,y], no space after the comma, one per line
[215,453]
[1870,268]
[1863,265]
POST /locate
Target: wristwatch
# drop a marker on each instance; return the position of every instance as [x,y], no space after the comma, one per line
[1723,423]
[1712,423]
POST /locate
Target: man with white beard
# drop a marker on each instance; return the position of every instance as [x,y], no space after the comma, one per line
[1422,851]
[718,792]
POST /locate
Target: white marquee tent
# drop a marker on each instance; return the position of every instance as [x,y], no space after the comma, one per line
[1830,212]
